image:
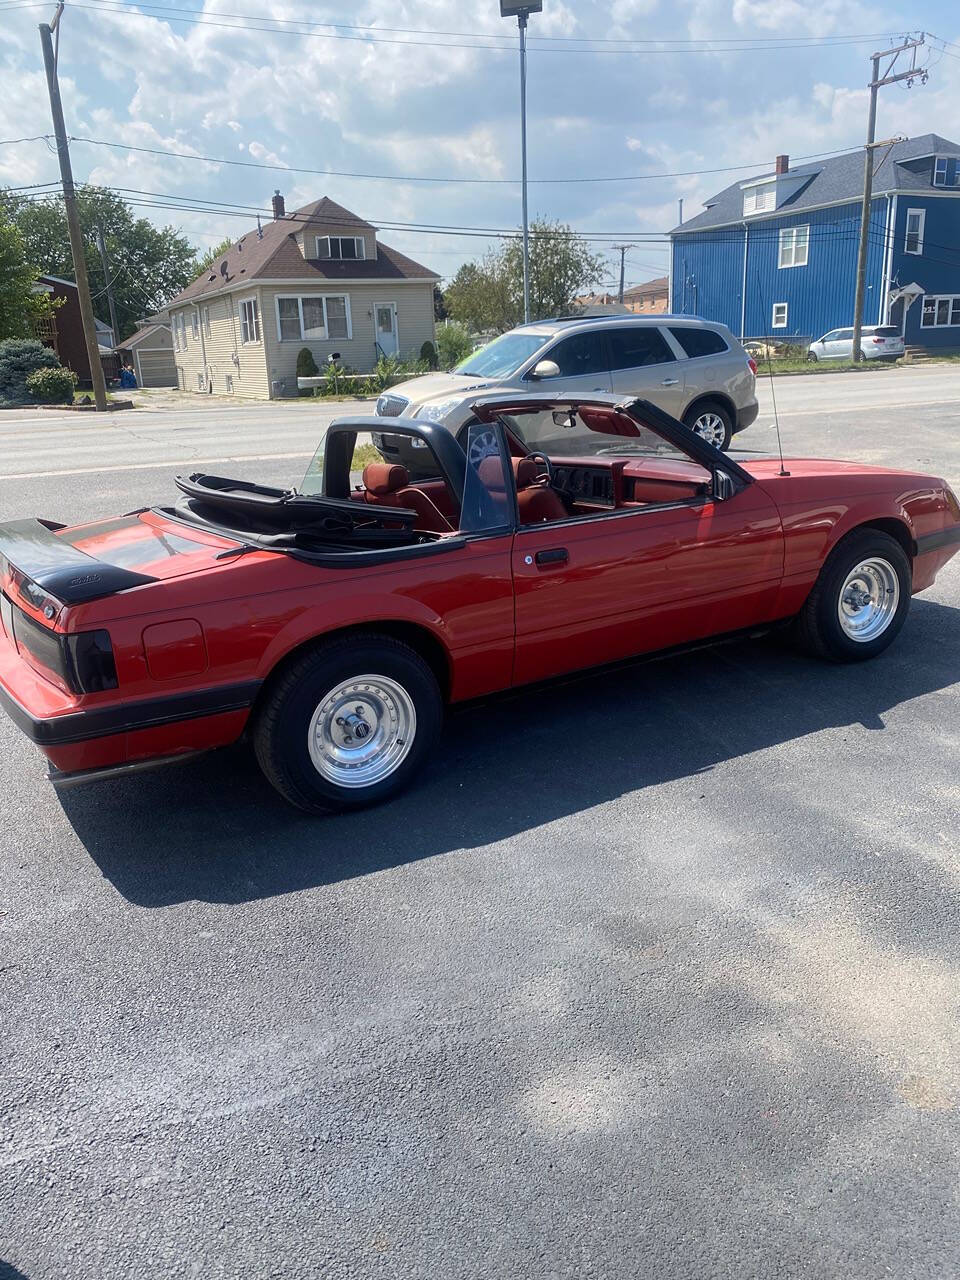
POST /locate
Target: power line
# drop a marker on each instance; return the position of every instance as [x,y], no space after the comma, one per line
[392,177]
[170,13]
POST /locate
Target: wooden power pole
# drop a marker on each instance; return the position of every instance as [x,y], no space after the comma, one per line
[101,244]
[73,221]
[876,82]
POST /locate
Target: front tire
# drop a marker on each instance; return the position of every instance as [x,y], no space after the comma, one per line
[860,600]
[812,357]
[350,723]
[711,422]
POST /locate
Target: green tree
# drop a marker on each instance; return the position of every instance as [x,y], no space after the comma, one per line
[20,307]
[489,294]
[148,264]
[211,258]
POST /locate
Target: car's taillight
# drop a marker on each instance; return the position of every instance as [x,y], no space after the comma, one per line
[753,365]
[81,662]
[878,341]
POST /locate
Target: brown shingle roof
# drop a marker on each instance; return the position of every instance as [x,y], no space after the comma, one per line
[660,285]
[276,256]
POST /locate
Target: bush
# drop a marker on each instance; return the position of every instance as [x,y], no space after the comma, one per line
[454,344]
[306,367]
[52,386]
[20,357]
[428,355]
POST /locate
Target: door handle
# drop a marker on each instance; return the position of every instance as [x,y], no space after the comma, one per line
[556,555]
[670,382]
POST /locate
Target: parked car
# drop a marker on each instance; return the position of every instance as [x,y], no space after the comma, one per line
[877,342]
[332,623]
[693,369]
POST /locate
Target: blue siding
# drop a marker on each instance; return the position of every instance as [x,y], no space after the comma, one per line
[708,272]
[937,269]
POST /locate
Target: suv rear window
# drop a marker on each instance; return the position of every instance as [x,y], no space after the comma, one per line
[699,342]
[886,331]
[633,348]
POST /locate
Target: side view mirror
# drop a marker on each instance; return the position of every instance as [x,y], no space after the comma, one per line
[723,486]
[545,369]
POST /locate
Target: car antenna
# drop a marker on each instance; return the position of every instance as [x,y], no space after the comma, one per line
[773,393]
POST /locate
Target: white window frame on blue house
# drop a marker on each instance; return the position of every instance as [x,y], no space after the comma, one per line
[921,216]
[760,197]
[943,311]
[794,246]
[941,169]
[784,309]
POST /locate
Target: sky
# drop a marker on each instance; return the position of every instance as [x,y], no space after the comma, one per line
[627,90]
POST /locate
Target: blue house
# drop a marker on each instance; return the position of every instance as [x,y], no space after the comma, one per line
[776,256]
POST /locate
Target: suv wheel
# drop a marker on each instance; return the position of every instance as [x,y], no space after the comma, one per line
[712,423]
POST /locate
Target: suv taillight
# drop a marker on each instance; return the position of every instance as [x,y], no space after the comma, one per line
[878,340]
[753,365]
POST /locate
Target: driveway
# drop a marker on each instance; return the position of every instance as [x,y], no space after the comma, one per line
[655,974]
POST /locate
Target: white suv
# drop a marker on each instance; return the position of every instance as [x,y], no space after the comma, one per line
[693,369]
[877,342]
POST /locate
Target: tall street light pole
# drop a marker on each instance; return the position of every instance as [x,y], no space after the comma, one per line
[521,12]
[877,81]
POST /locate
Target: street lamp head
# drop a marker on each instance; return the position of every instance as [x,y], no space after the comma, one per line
[511,10]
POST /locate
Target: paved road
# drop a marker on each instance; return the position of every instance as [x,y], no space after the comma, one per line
[654,975]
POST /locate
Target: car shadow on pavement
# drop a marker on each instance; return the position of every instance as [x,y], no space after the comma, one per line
[10,1272]
[214,830]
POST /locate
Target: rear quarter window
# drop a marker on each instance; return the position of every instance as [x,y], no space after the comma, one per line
[699,342]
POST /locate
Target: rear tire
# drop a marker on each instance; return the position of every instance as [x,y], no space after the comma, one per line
[812,357]
[711,422]
[350,723]
[860,600]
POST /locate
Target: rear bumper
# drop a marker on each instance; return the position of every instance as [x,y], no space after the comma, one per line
[746,416]
[121,732]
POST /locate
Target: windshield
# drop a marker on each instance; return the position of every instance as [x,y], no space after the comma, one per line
[504,355]
[563,433]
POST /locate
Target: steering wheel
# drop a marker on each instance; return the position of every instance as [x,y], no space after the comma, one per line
[536,456]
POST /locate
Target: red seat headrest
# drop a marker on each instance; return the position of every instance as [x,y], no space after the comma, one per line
[526,472]
[381,478]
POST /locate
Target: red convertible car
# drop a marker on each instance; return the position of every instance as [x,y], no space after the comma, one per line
[332,622]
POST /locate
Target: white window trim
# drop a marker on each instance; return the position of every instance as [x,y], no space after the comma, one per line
[206,322]
[299,298]
[782,324]
[247,341]
[788,244]
[935,298]
[195,323]
[945,161]
[181,320]
[358,241]
[922,213]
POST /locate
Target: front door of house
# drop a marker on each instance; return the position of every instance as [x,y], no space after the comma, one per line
[386,326]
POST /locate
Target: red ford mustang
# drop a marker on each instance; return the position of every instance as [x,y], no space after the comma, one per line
[332,622]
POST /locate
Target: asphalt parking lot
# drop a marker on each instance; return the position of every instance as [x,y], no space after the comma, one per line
[655,974]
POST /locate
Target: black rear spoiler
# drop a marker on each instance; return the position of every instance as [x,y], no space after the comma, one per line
[59,569]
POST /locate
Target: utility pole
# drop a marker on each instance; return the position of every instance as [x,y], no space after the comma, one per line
[109,283]
[70,205]
[622,250]
[877,81]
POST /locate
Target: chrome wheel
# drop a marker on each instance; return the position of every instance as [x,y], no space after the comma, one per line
[362,731]
[710,427]
[869,599]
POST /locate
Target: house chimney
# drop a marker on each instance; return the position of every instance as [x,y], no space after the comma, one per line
[783,164]
[278,210]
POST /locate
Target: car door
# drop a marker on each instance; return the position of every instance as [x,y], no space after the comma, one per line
[595,588]
[643,363]
[841,346]
[583,361]
[821,348]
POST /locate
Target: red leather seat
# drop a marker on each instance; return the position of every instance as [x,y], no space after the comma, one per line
[536,501]
[387,484]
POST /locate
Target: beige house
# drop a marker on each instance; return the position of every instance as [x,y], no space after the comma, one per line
[316,278]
